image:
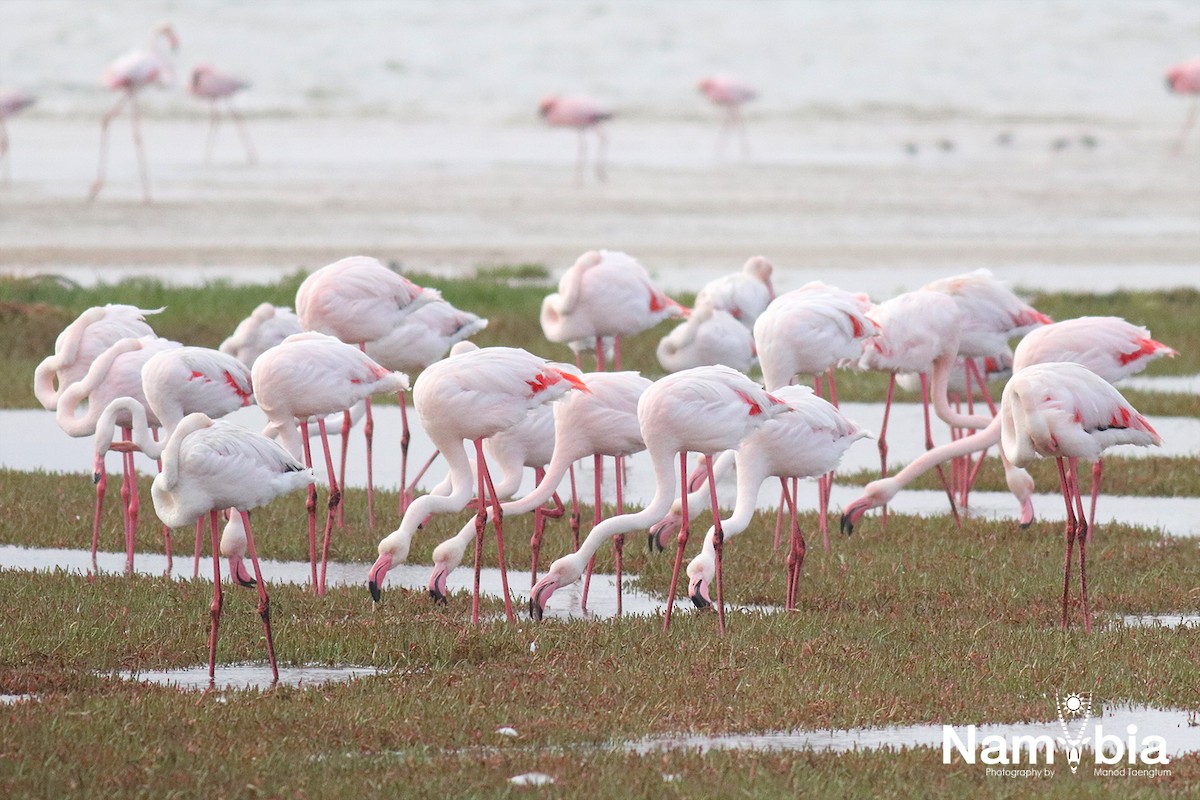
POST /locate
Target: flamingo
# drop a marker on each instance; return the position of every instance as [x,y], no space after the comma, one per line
[599,422]
[128,75]
[267,326]
[1184,78]
[472,395]
[583,114]
[705,409]
[1065,411]
[213,86]
[81,342]
[708,336]
[731,94]
[117,372]
[1110,347]
[605,293]
[211,465]
[311,375]
[805,444]
[745,294]
[358,300]
[12,101]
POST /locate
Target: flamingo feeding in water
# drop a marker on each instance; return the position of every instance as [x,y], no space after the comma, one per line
[208,466]
[12,101]
[311,375]
[605,293]
[217,87]
[1184,78]
[706,410]
[471,396]
[730,94]
[1065,411]
[359,300]
[582,114]
[128,75]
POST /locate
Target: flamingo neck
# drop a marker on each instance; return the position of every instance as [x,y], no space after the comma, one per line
[887,488]
[941,390]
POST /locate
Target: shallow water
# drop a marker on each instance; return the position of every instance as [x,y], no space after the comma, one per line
[1161,620]
[247,676]
[1171,384]
[12,699]
[1176,726]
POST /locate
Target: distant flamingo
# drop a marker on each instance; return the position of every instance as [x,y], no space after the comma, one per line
[267,326]
[359,300]
[731,94]
[583,114]
[472,396]
[1065,411]
[599,422]
[805,444]
[744,294]
[311,375]
[1108,346]
[117,372]
[708,336]
[12,101]
[81,342]
[1184,78]
[706,410]
[605,293]
[129,74]
[209,466]
[213,86]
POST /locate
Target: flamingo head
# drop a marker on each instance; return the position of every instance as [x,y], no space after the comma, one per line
[547,103]
[379,571]
[762,269]
[854,512]
[437,584]
[661,532]
[239,574]
[700,574]
[562,572]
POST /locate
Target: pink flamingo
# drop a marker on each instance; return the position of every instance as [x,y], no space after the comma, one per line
[583,114]
[215,87]
[12,102]
[80,343]
[730,94]
[708,336]
[605,293]
[599,422]
[359,300]
[1184,78]
[805,444]
[128,75]
[707,410]
[209,466]
[744,294]
[1108,346]
[472,395]
[267,326]
[1065,411]
[311,375]
[117,372]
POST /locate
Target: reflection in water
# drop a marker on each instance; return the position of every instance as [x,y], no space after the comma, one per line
[247,676]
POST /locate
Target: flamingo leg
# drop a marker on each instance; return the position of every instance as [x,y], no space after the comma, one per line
[1083,535]
[582,157]
[264,602]
[138,147]
[1065,482]
[779,519]
[498,523]
[929,446]
[134,506]
[1097,472]
[539,529]
[105,121]
[796,547]
[342,464]
[740,127]
[311,505]
[617,353]
[574,508]
[683,537]
[598,469]
[101,486]
[619,539]
[601,152]
[166,530]
[405,438]
[718,543]
[406,493]
[883,448]
[243,133]
[215,609]
[335,500]
[599,354]
[214,119]
[369,433]
[1187,126]
[196,549]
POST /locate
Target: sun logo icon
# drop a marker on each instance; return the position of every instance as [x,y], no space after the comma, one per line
[1073,704]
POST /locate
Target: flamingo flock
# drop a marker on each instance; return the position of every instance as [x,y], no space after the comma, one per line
[112,378]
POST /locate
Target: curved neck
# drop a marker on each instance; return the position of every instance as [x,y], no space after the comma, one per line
[43,382]
[698,499]
[941,403]
[106,427]
[170,454]
[941,454]
[72,396]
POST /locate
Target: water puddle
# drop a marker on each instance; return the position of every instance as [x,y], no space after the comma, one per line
[1170,384]
[1161,621]
[1179,728]
[13,699]
[564,604]
[247,676]
[532,779]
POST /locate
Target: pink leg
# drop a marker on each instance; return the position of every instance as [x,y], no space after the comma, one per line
[405,437]
[311,505]
[345,437]
[929,446]
[600,354]
[243,133]
[134,507]
[141,150]
[215,609]
[617,353]
[683,537]
[591,565]
[369,433]
[1082,535]
[1065,482]
[196,549]
[214,119]
[107,119]
[539,529]
[883,448]
[718,544]
[335,500]
[101,486]
[498,523]
[796,547]
[619,539]
[574,508]
[406,493]
[264,602]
